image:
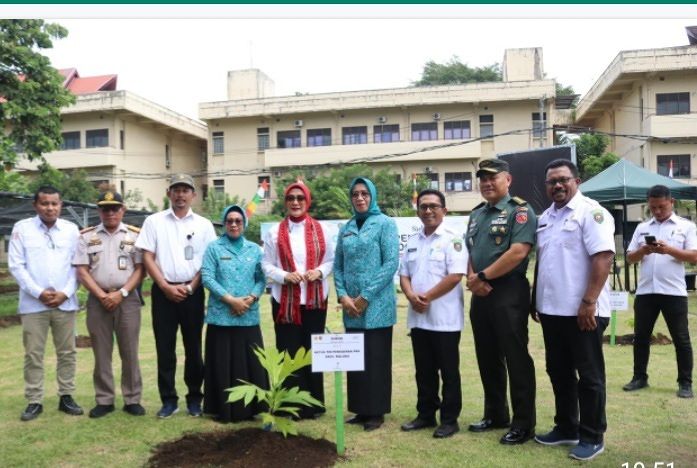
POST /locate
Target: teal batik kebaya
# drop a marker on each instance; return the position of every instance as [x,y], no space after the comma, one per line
[366,259]
[232,267]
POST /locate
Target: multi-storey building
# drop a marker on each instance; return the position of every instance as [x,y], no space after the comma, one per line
[123,139]
[647,101]
[441,132]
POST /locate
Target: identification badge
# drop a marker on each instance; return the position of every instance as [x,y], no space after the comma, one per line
[123,262]
[189,252]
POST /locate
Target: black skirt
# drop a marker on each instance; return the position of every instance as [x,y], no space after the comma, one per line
[290,337]
[370,392]
[229,357]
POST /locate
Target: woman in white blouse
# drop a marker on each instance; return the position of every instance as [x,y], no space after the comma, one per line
[298,258]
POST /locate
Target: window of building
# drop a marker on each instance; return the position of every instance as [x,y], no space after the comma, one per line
[681,165]
[319,137]
[672,103]
[263,138]
[456,130]
[432,178]
[97,138]
[267,192]
[168,157]
[218,142]
[424,131]
[204,191]
[71,140]
[539,125]
[385,133]
[122,139]
[354,135]
[218,186]
[486,126]
[123,188]
[458,181]
[288,139]
[101,184]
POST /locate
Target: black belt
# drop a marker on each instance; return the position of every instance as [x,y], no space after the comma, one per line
[177,284]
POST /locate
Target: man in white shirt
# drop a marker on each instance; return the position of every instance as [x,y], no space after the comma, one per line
[40,259]
[662,245]
[430,277]
[173,242]
[575,238]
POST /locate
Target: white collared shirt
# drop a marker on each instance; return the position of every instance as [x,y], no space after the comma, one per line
[167,236]
[271,264]
[662,273]
[567,238]
[40,258]
[427,260]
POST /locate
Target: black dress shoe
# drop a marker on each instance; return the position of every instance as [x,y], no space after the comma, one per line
[417,424]
[32,411]
[101,410]
[517,436]
[373,423]
[134,409]
[68,406]
[445,430]
[357,419]
[487,425]
[635,384]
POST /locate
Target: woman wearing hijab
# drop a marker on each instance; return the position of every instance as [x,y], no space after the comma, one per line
[366,259]
[298,258]
[232,273]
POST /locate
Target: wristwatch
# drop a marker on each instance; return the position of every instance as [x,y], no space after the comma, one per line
[481,275]
[124,292]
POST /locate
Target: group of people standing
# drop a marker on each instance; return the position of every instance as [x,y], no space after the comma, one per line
[181,252]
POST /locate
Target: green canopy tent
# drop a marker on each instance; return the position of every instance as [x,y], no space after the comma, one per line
[624,183]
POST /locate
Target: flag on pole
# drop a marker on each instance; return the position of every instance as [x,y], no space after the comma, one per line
[414,194]
[670,169]
[258,197]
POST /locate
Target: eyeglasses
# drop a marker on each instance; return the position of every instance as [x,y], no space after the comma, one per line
[238,221]
[297,198]
[560,180]
[110,208]
[430,206]
[360,195]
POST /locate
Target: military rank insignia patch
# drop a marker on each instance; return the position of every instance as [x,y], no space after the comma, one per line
[598,216]
[457,245]
[521,217]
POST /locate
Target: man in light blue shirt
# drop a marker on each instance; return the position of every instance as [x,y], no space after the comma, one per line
[40,259]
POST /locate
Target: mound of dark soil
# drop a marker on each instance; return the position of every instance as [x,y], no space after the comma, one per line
[9,320]
[244,448]
[658,339]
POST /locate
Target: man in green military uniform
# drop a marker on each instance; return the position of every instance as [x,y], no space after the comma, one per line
[500,235]
[111,267]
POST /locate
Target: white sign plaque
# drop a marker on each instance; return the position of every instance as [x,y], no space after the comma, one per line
[619,300]
[333,352]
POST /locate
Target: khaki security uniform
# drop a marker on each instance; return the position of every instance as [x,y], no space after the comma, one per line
[111,259]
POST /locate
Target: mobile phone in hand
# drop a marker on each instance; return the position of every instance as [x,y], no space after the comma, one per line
[651,240]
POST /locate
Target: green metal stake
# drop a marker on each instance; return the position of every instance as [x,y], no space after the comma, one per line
[613,325]
[339,389]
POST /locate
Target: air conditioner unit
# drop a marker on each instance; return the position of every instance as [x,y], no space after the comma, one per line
[298,123]
[436,116]
[382,119]
[428,169]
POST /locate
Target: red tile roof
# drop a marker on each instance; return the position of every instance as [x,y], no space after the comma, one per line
[91,84]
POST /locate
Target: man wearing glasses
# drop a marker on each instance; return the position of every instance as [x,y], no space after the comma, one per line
[500,235]
[173,242]
[111,268]
[430,277]
[576,244]
[40,259]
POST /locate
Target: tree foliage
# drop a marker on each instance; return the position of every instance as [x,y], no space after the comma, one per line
[590,153]
[456,72]
[31,90]
[74,185]
[330,197]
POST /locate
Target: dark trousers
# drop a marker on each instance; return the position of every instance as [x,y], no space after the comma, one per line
[500,329]
[674,308]
[369,392]
[167,318]
[290,337]
[576,368]
[436,351]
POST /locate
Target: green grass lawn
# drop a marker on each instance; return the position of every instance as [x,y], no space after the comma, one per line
[648,426]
